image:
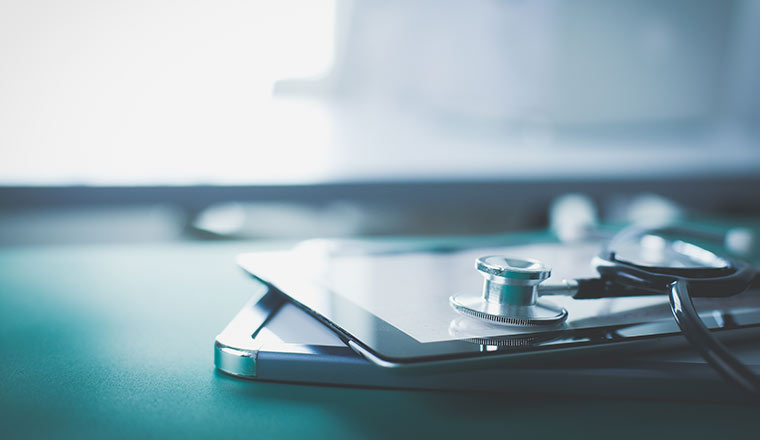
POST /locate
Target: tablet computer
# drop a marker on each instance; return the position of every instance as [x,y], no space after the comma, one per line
[271,339]
[391,305]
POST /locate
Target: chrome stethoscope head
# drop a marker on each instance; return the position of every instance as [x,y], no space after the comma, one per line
[510,293]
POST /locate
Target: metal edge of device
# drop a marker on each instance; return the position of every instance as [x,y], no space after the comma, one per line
[654,343]
[238,351]
[235,348]
[525,359]
[240,363]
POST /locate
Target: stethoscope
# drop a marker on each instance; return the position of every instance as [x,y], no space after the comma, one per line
[636,261]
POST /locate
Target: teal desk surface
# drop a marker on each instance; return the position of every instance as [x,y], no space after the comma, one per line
[117,342]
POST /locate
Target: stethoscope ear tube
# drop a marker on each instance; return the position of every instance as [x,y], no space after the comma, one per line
[711,349]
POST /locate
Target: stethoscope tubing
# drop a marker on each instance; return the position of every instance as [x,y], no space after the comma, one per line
[712,350]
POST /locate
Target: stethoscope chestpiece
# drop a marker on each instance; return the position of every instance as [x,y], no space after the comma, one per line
[510,293]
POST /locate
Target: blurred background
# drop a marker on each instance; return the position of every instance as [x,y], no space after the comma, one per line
[196,120]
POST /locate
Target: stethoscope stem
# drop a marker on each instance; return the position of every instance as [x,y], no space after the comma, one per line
[563,288]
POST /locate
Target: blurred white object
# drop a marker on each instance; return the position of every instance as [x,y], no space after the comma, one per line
[573,217]
[652,210]
[740,241]
[280,220]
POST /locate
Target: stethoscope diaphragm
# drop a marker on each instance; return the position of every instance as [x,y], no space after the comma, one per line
[510,294]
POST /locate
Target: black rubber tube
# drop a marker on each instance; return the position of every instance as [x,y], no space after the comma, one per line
[712,350]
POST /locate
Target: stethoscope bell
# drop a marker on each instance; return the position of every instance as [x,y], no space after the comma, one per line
[510,293]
